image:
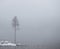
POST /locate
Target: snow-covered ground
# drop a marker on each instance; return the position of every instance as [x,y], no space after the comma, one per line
[6,43]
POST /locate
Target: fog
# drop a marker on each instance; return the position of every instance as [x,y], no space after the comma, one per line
[39,21]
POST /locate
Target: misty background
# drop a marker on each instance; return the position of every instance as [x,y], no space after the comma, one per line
[39,21]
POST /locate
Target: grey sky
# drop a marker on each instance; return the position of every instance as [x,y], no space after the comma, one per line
[39,20]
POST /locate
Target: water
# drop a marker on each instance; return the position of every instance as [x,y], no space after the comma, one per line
[25,47]
[17,47]
[12,47]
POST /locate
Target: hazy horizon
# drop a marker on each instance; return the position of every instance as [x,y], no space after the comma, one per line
[39,20]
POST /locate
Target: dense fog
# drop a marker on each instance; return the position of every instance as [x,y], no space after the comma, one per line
[39,21]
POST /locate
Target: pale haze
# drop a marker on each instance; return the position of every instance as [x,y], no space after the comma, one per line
[39,20]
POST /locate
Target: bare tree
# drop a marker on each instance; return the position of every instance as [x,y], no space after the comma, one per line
[15,25]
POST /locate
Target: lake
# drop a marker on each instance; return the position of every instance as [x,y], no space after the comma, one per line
[27,47]
[17,47]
